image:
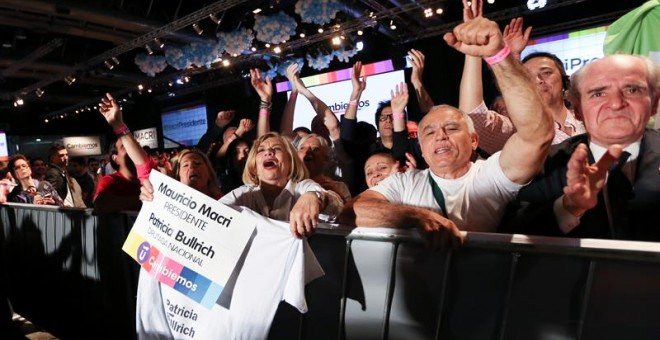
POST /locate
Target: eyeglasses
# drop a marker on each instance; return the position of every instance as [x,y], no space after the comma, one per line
[384,118]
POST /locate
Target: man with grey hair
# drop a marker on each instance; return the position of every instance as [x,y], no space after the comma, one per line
[454,193]
[619,195]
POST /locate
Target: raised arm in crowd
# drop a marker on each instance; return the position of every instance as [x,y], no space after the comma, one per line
[437,200]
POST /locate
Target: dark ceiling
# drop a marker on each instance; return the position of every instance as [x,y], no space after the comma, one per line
[45,41]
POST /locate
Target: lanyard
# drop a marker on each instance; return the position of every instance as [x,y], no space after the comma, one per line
[437,193]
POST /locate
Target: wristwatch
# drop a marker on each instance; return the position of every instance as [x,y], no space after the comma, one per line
[321,196]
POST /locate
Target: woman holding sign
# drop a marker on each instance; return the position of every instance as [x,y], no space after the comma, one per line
[277,186]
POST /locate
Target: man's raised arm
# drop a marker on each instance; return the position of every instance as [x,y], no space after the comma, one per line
[524,153]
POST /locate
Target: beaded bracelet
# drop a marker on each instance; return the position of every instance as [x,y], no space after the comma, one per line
[122,130]
[499,56]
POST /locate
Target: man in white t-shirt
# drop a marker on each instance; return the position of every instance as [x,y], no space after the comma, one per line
[468,196]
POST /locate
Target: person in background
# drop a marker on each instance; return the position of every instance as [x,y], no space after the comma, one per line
[231,175]
[7,183]
[121,189]
[314,151]
[392,128]
[495,127]
[156,160]
[29,190]
[78,169]
[231,133]
[92,166]
[106,165]
[67,187]
[194,170]
[94,169]
[39,168]
[381,165]
[340,165]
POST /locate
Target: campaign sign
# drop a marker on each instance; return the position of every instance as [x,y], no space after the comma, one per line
[187,240]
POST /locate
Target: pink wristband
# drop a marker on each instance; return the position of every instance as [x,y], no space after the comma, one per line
[120,130]
[230,139]
[353,102]
[264,113]
[396,116]
[499,56]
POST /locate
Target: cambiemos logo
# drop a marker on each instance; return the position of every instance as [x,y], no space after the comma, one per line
[143,252]
[82,146]
[342,106]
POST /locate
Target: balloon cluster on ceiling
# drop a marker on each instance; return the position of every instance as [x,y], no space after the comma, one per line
[268,29]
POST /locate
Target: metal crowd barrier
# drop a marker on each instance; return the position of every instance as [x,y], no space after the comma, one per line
[66,272]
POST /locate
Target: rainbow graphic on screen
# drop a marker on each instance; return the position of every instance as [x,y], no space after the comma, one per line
[345,74]
[169,272]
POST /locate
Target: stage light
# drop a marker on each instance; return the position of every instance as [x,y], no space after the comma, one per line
[198,28]
[70,79]
[392,25]
[215,19]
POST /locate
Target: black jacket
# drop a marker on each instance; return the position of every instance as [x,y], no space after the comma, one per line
[531,212]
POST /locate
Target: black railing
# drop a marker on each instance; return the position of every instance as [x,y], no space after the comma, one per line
[65,271]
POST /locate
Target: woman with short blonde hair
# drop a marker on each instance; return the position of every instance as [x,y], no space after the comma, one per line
[276,186]
[297,173]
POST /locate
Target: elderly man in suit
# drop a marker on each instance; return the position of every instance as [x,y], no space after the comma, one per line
[619,195]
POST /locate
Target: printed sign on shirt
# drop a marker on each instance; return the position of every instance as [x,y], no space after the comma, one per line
[187,240]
